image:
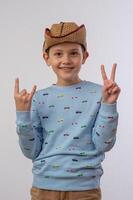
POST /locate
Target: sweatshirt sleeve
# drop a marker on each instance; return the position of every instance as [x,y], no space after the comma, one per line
[104,130]
[30,131]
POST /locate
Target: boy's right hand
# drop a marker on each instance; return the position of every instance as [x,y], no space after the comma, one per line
[23,99]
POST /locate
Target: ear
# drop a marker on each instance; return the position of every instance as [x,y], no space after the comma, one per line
[85,56]
[46,58]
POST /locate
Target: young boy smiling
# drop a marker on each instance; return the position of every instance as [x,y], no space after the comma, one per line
[66,60]
[67,127]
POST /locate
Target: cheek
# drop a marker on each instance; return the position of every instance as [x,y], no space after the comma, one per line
[78,62]
[54,64]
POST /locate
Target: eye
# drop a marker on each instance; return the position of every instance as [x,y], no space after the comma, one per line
[58,54]
[74,53]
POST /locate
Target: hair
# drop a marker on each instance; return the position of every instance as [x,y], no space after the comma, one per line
[47,50]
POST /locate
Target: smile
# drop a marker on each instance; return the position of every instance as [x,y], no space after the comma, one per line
[66,68]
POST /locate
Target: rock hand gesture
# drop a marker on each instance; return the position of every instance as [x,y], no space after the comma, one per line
[23,98]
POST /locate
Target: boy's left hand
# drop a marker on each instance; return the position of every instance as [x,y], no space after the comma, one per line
[111,90]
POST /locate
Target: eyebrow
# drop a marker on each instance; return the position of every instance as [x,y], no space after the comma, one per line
[74,49]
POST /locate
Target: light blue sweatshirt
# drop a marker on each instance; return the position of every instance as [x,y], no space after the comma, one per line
[66,134]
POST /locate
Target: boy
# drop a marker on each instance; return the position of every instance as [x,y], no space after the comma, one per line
[67,128]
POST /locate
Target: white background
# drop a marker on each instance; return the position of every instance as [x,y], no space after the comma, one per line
[109,26]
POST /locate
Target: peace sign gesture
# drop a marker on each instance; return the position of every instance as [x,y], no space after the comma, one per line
[111,90]
[23,99]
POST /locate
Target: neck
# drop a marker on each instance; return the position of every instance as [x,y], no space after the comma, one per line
[67,83]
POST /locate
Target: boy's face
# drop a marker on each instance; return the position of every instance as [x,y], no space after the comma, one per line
[66,60]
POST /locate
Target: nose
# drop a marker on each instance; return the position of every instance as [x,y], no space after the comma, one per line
[66,60]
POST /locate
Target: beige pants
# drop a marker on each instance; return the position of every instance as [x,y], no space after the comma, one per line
[41,194]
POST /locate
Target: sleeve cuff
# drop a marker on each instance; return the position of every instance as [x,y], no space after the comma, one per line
[108,108]
[22,117]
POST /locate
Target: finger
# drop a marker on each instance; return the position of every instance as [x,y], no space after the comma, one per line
[104,76]
[23,92]
[116,90]
[25,97]
[32,92]
[112,77]
[109,86]
[16,88]
[113,88]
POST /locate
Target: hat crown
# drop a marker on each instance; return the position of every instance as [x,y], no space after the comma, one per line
[64,32]
[63,28]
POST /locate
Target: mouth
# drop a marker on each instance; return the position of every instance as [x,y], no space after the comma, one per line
[66,68]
